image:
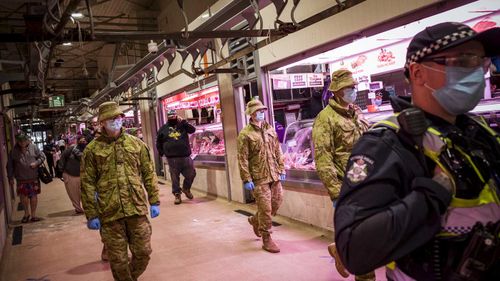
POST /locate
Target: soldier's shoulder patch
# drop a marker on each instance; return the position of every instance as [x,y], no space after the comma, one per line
[358,169]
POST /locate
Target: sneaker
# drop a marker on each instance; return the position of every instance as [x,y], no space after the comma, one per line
[178,199]
[332,249]
[188,193]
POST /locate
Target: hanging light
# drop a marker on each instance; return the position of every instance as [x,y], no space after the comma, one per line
[77,15]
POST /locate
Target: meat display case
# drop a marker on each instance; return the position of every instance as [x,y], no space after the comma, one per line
[207,146]
[298,147]
[298,155]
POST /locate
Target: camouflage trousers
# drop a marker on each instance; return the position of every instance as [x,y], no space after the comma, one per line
[268,197]
[130,232]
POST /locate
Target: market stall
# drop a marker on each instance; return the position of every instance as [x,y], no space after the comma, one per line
[201,108]
[298,90]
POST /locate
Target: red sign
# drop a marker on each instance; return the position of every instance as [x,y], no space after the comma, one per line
[281,82]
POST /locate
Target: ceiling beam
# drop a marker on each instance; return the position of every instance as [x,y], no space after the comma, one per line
[6,77]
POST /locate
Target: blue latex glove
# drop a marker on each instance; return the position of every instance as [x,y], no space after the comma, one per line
[155,211]
[94,224]
[249,185]
[282,177]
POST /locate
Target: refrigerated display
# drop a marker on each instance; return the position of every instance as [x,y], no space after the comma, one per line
[207,145]
[298,153]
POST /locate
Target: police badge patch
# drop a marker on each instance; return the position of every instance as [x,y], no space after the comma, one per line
[360,167]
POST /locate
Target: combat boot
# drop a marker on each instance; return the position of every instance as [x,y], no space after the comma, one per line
[332,249]
[268,244]
[178,199]
[255,224]
[188,193]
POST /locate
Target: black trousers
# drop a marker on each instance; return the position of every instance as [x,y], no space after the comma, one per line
[50,163]
[178,166]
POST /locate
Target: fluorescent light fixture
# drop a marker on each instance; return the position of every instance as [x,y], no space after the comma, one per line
[67,43]
[77,15]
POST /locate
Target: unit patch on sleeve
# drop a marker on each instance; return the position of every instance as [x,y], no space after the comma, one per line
[359,168]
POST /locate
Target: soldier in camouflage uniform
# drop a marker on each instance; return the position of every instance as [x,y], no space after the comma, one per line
[115,167]
[336,128]
[261,169]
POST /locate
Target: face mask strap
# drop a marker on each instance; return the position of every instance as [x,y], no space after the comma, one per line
[429,87]
[432,68]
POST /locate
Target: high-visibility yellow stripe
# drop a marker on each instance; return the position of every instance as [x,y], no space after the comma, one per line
[391,265]
[487,196]
[388,123]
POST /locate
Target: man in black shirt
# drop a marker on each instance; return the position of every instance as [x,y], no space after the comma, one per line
[173,142]
[49,150]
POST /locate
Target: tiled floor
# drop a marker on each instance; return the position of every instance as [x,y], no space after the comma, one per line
[202,239]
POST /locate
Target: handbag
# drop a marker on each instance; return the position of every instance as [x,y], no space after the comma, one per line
[43,174]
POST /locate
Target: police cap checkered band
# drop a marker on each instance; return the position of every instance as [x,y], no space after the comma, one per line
[442,36]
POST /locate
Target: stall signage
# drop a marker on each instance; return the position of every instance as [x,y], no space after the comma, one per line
[299,80]
[281,81]
[56,101]
[315,80]
[175,98]
[381,60]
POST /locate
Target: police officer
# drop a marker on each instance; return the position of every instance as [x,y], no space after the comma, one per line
[421,191]
[261,168]
[115,167]
[336,128]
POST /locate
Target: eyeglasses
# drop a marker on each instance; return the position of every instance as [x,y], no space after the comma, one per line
[469,61]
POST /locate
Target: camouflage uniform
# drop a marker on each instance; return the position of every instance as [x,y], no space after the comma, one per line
[117,169]
[334,133]
[261,161]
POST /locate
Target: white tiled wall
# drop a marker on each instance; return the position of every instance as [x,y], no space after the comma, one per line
[309,208]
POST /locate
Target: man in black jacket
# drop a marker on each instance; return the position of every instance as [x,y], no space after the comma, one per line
[421,190]
[173,142]
[49,150]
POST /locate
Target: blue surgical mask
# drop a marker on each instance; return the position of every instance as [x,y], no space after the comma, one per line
[260,116]
[350,95]
[114,125]
[463,90]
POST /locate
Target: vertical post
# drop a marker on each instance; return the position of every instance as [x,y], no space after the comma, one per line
[229,115]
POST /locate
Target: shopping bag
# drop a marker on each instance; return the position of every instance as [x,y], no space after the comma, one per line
[43,174]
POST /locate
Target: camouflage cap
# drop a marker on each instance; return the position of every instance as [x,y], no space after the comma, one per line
[253,106]
[109,110]
[340,79]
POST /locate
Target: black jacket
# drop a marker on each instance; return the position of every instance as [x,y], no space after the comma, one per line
[173,141]
[70,161]
[389,207]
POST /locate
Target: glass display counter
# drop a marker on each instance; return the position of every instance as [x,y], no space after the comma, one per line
[298,152]
[207,146]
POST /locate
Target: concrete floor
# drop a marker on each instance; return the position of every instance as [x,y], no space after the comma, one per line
[202,239]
